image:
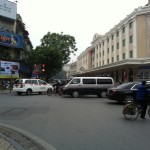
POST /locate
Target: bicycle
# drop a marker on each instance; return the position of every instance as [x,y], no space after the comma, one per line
[132,110]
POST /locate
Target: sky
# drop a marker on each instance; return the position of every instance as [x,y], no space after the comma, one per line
[78,18]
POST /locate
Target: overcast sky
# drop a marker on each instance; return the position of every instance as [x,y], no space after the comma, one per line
[78,18]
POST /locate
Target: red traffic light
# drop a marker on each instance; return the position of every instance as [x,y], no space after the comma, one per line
[43,65]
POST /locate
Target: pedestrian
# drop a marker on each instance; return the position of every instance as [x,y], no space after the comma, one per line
[142,98]
[58,85]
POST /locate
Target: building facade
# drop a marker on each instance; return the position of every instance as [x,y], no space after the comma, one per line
[15,44]
[123,52]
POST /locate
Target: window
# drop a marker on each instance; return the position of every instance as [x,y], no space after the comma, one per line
[136,86]
[112,59]
[131,39]
[123,42]
[117,45]
[89,81]
[107,40]
[117,57]
[144,75]
[34,81]
[112,37]
[103,53]
[75,81]
[112,48]
[107,61]
[28,82]
[123,55]
[131,54]
[104,81]
[42,82]
[117,33]
[107,50]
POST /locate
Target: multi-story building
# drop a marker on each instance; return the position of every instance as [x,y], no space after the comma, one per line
[15,44]
[123,52]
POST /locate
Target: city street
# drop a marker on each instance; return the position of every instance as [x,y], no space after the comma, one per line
[85,123]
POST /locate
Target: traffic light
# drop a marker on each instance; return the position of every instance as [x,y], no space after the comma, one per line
[43,67]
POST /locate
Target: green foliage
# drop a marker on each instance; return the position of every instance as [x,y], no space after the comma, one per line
[54,52]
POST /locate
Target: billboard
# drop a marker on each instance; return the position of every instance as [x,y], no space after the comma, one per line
[8,9]
[6,67]
[11,40]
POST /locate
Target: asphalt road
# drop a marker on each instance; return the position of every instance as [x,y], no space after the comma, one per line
[86,123]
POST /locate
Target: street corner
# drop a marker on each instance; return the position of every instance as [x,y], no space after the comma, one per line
[13,138]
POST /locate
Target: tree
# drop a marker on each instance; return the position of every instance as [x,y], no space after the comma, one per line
[54,52]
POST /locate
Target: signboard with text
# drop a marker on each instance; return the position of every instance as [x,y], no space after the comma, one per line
[6,67]
[11,40]
[8,9]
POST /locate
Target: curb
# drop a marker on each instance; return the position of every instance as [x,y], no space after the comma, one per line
[37,141]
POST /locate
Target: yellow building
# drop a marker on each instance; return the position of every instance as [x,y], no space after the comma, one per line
[123,52]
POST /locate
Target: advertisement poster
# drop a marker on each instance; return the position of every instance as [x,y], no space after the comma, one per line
[11,40]
[6,67]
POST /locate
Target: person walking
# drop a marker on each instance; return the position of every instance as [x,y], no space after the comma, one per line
[142,98]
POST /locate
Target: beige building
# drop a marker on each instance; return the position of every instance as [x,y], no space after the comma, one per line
[123,52]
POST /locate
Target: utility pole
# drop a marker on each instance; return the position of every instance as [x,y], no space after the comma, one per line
[12,72]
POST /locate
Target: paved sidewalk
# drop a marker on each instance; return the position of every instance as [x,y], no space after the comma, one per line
[12,138]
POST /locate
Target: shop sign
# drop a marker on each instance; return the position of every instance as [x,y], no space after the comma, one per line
[6,69]
[8,9]
[11,40]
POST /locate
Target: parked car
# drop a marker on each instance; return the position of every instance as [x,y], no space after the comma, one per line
[30,86]
[124,92]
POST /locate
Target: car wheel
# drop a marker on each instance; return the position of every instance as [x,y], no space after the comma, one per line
[128,98]
[40,93]
[28,92]
[103,94]
[19,93]
[75,94]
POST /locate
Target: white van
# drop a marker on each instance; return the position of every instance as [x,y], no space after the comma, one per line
[30,86]
[88,86]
